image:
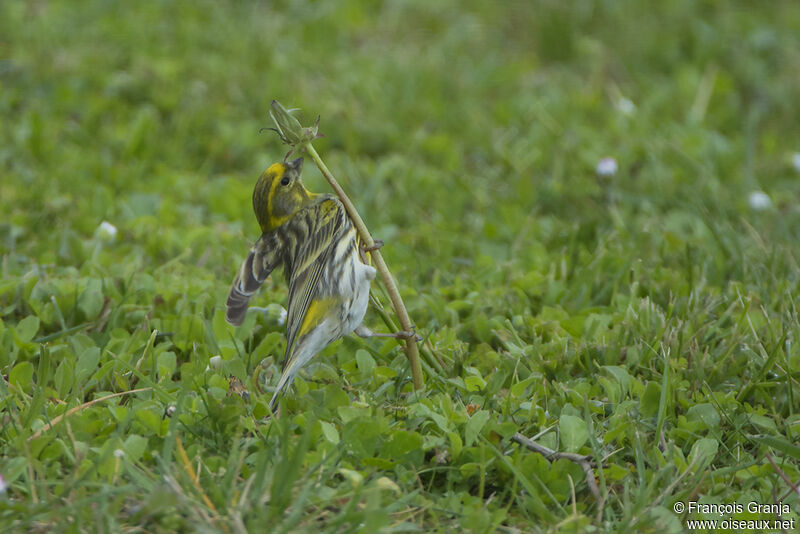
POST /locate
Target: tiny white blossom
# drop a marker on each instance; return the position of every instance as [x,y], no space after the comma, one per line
[606,167]
[106,232]
[119,453]
[759,201]
[215,362]
[273,313]
[796,161]
[3,485]
[625,106]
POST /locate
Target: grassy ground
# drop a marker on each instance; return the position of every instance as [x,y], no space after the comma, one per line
[645,317]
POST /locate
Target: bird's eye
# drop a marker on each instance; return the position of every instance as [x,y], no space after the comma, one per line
[285,180]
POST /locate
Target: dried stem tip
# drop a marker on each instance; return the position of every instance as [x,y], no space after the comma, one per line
[289,128]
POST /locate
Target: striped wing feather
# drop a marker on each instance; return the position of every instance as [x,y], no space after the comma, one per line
[324,222]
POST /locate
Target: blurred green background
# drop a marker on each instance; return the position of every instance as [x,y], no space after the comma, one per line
[468,134]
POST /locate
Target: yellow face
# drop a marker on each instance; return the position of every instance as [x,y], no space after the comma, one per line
[279,194]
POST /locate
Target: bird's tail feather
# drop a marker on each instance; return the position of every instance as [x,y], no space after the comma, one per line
[300,356]
[287,377]
[244,286]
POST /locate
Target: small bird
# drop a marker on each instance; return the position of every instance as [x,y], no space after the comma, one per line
[312,237]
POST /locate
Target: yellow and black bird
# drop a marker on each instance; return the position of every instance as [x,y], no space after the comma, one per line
[314,240]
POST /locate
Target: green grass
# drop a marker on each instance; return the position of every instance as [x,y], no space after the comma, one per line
[646,319]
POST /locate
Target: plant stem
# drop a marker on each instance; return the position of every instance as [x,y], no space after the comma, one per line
[412,351]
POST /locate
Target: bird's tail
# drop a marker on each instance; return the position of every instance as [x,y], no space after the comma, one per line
[244,286]
[300,355]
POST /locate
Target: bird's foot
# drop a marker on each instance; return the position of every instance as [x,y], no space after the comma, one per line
[363,331]
[377,243]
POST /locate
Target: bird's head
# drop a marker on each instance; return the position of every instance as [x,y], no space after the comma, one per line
[279,194]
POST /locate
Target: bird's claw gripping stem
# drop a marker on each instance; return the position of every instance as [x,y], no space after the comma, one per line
[378,243]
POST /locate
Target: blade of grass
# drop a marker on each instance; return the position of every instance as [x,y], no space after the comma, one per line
[76,409]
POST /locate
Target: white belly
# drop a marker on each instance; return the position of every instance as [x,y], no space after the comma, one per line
[358,286]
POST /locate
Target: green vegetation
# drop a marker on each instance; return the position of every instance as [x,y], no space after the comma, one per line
[645,318]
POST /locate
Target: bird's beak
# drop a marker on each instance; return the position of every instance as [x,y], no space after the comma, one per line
[296,164]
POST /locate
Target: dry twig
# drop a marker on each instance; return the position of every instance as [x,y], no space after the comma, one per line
[584,461]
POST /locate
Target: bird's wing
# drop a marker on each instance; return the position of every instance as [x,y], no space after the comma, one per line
[323,222]
[262,259]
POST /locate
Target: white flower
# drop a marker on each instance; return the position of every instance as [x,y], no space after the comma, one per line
[3,485]
[106,232]
[273,313]
[606,167]
[119,453]
[215,362]
[625,106]
[796,161]
[759,201]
